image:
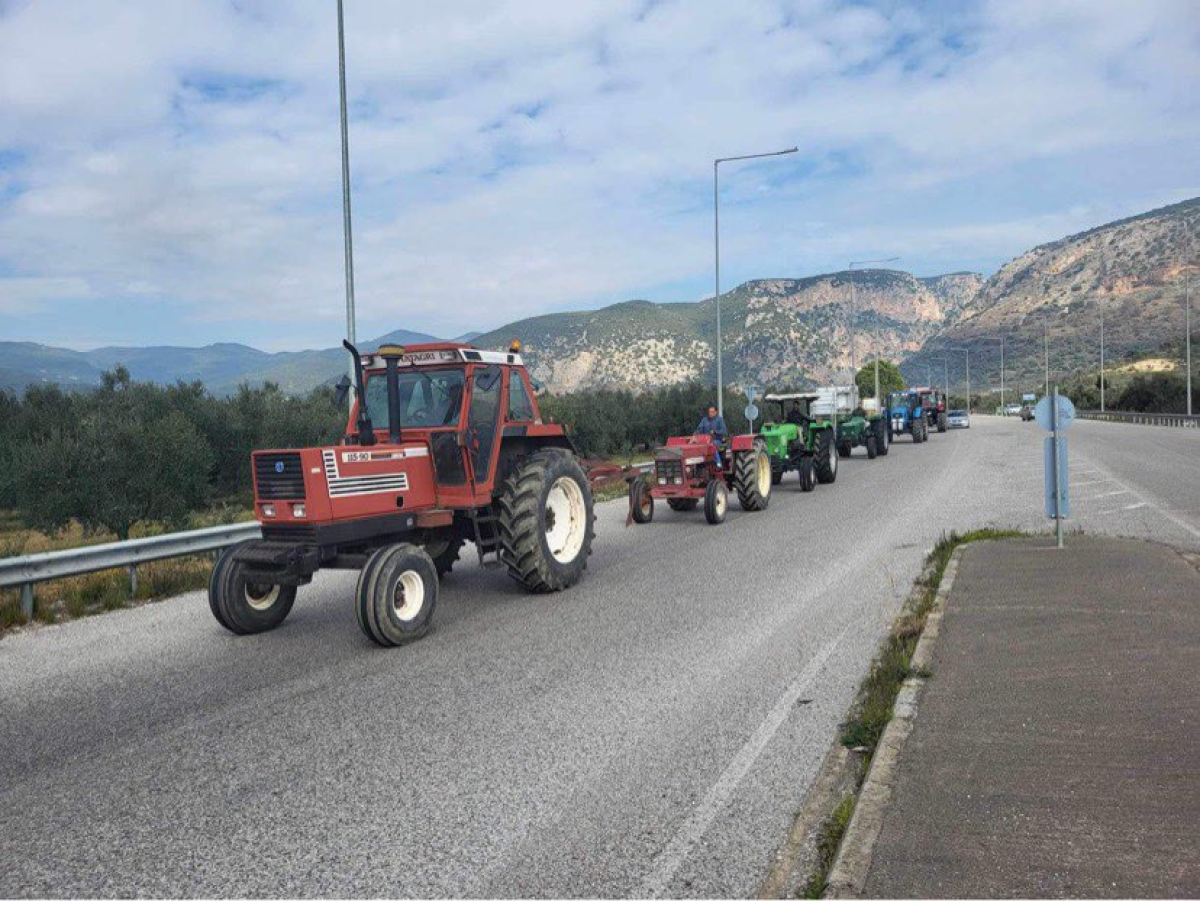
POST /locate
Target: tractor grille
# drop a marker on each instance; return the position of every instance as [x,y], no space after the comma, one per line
[667,471]
[279,477]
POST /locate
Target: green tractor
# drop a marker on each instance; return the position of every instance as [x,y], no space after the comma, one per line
[799,442]
[854,425]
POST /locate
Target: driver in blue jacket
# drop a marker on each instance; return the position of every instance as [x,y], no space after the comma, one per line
[714,424]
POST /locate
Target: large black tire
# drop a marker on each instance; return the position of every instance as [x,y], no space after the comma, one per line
[546,522]
[808,480]
[444,553]
[882,436]
[396,595]
[776,476]
[641,504]
[914,426]
[242,607]
[683,504]
[872,451]
[752,479]
[845,449]
[825,462]
[716,502]
[941,421]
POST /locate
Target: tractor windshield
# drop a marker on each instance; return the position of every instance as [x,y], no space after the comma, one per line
[429,398]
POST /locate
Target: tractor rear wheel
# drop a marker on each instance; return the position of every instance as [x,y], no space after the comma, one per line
[546,522]
[872,451]
[242,607]
[444,553]
[640,502]
[683,504]
[807,481]
[396,594]
[716,502]
[826,460]
[752,478]
[882,437]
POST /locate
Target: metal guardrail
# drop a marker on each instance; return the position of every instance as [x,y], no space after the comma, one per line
[1177,420]
[27,571]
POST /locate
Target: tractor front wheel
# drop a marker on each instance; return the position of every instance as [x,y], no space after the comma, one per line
[807,481]
[776,476]
[396,594]
[826,462]
[242,607]
[872,450]
[640,502]
[546,522]
[716,502]
[881,437]
[941,421]
[752,478]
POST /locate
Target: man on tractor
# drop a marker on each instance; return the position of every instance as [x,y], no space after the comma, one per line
[796,416]
[714,424]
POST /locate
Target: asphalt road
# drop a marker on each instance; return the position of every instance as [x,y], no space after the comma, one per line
[650,731]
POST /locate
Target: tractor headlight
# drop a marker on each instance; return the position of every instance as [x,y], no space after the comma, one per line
[268,510]
[678,481]
[662,481]
[299,511]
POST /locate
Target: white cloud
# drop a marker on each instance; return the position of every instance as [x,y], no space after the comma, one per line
[514,158]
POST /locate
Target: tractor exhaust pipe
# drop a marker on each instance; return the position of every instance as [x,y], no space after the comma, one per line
[366,431]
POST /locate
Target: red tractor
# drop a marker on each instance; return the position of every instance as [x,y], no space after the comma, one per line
[934,402]
[690,470]
[445,444]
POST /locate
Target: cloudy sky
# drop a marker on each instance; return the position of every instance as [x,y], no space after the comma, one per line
[170,171]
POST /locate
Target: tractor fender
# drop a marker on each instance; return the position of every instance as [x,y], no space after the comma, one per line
[742,443]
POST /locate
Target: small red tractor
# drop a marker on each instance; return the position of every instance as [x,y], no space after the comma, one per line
[689,470]
[445,444]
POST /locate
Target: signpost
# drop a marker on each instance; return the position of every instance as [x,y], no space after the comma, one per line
[751,411]
[1055,414]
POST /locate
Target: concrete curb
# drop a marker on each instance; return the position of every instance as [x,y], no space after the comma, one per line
[848,876]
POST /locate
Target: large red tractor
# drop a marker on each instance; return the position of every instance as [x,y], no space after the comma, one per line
[689,470]
[445,444]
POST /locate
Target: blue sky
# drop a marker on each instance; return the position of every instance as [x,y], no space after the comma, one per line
[170,172]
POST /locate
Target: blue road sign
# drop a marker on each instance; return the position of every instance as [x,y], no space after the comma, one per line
[1066,412]
[1064,485]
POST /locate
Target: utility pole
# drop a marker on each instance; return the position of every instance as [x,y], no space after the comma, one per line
[717,255]
[1101,358]
[1187,325]
[350,328]
[1046,338]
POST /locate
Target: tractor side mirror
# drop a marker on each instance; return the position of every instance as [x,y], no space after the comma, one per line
[341,390]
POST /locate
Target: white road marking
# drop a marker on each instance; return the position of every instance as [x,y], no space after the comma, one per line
[1179,521]
[1137,506]
[1110,494]
[680,846]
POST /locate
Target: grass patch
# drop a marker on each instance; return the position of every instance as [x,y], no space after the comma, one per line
[829,839]
[872,709]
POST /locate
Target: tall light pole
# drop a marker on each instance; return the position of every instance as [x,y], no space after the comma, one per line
[1101,358]
[854,315]
[1046,339]
[967,351]
[1187,327]
[1001,339]
[717,254]
[350,329]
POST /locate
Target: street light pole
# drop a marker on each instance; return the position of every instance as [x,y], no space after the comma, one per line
[1187,325]
[854,316]
[350,327]
[1101,358]
[1046,338]
[717,254]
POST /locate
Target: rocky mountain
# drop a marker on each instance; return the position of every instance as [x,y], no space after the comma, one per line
[1130,272]
[777,332]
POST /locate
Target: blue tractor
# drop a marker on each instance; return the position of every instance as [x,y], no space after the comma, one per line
[907,413]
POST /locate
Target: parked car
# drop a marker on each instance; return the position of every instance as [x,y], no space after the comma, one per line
[958,419]
[1012,410]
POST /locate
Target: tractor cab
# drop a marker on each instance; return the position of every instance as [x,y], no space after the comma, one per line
[786,404]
